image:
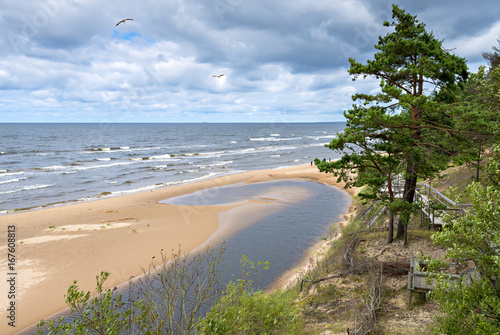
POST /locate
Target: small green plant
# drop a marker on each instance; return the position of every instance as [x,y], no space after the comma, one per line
[52,227]
[134,231]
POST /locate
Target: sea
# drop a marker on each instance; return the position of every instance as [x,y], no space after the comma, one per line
[45,165]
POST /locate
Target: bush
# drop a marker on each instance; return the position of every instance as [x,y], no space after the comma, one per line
[168,300]
[242,311]
[471,306]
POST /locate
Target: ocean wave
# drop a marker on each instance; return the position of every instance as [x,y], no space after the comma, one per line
[161,156]
[274,139]
[83,168]
[27,188]
[317,138]
[52,168]
[215,164]
[6,173]
[107,149]
[145,149]
[262,149]
[274,135]
[12,180]
[100,149]
[103,159]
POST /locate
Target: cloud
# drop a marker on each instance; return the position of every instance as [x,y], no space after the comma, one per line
[65,60]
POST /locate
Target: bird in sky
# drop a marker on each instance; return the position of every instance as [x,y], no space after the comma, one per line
[122,21]
[219,76]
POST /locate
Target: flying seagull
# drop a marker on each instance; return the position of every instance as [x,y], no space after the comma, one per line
[122,21]
[219,76]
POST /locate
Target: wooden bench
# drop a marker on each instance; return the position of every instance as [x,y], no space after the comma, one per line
[417,282]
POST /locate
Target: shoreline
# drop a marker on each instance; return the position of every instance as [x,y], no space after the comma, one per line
[120,235]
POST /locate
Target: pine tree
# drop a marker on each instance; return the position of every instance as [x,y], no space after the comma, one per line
[413,68]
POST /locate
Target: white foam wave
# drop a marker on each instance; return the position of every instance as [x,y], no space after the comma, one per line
[27,188]
[317,138]
[4,173]
[11,180]
[161,156]
[274,139]
[82,168]
[124,148]
[215,164]
[103,159]
[54,168]
[274,135]
[145,149]
[262,149]
[160,167]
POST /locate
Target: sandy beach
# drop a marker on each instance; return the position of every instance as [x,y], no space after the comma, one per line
[58,245]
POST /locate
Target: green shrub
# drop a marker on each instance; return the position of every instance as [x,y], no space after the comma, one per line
[243,311]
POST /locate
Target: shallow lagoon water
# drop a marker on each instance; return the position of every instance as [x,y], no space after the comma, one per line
[281,232]
[284,233]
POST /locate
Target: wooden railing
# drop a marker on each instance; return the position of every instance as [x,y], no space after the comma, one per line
[434,203]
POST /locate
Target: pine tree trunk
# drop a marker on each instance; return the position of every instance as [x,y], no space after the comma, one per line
[405,243]
[408,196]
[390,238]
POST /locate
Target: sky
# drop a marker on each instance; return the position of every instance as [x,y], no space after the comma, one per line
[283,61]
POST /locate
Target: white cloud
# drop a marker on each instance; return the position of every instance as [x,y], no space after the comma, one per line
[67,61]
